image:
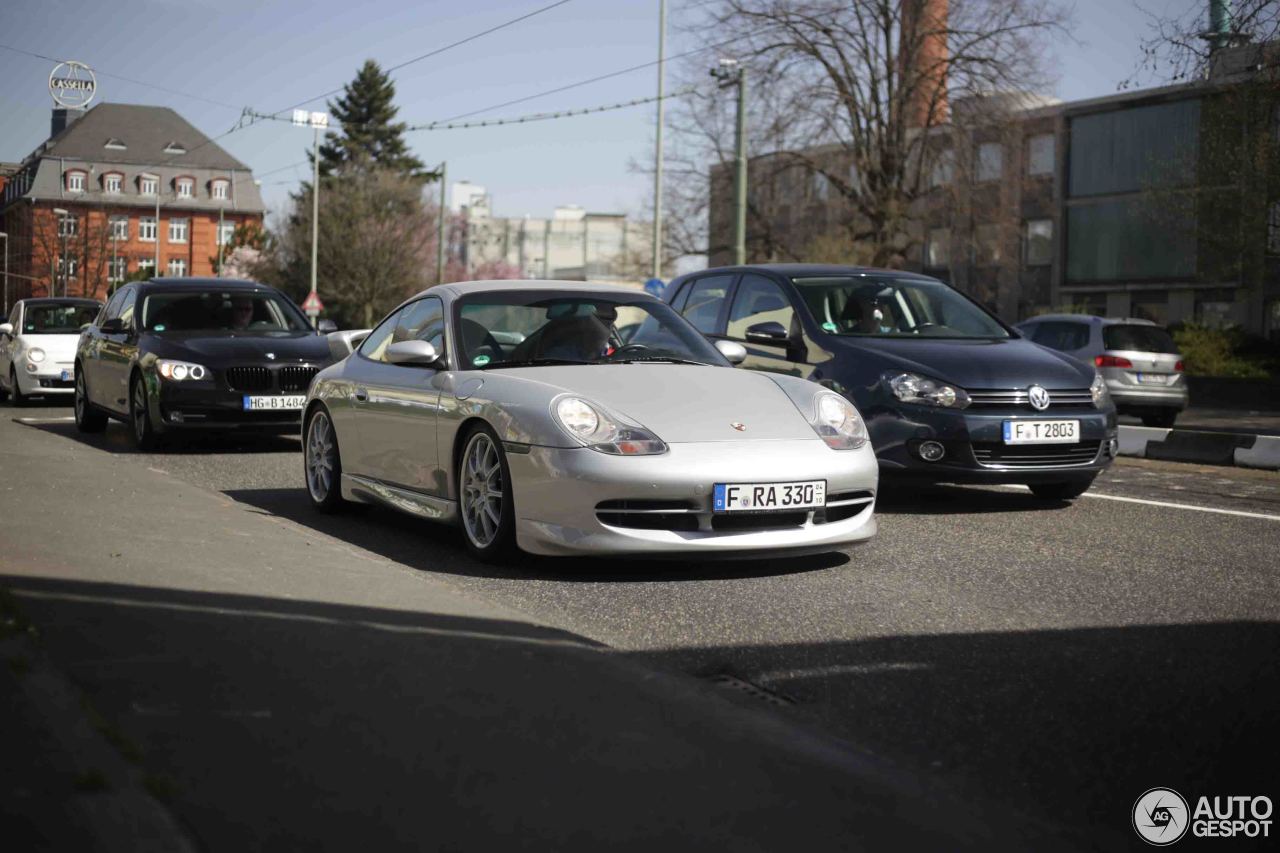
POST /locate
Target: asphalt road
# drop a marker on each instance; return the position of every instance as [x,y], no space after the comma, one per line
[1058,659]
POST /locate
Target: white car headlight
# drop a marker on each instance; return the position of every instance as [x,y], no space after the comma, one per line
[591,426]
[1099,391]
[35,355]
[837,422]
[179,371]
[914,388]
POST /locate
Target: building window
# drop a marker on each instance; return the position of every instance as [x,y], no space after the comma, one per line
[147,229]
[1038,246]
[177,267]
[148,266]
[225,232]
[68,226]
[117,269]
[186,187]
[148,185]
[75,182]
[218,189]
[120,227]
[944,169]
[178,230]
[1040,154]
[986,244]
[937,249]
[70,267]
[112,182]
[990,163]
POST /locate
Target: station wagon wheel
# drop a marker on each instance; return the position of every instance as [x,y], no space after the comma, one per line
[322,463]
[88,419]
[484,496]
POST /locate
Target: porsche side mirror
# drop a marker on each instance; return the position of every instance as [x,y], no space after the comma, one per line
[732,350]
[6,329]
[326,326]
[770,332]
[418,353]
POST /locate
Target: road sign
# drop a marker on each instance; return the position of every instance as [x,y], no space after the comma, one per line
[312,304]
[654,286]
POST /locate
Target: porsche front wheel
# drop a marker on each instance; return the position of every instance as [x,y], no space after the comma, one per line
[484,496]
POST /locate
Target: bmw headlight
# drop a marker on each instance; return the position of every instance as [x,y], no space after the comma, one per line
[35,355]
[180,371]
[1099,391]
[591,426]
[837,422]
[914,388]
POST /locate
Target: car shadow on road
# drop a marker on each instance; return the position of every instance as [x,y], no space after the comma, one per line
[438,548]
[116,439]
[937,499]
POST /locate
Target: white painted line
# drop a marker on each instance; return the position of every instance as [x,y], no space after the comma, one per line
[69,419]
[1183,506]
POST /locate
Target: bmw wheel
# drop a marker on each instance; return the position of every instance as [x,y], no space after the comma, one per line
[484,496]
[88,419]
[321,462]
[144,434]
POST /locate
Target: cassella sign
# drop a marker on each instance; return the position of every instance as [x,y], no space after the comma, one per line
[72,85]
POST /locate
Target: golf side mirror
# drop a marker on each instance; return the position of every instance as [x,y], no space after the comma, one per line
[416,353]
[114,326]
[770,332]
[732,350]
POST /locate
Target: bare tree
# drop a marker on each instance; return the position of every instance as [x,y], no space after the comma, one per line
[1178,46]
[859,92]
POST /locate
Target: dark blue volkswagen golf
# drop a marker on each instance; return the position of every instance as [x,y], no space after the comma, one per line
[948,391]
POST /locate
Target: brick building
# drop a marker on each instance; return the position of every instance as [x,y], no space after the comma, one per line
[118,189]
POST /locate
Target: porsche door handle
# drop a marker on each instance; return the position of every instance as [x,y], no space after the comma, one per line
[362,396]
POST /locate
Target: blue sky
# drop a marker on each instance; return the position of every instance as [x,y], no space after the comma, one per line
[269,55]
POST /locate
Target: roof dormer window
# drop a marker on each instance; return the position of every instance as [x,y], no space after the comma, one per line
[175,148]
[184,187]
[75,180]
[114,144]
[219,189]
[148,185]
[112,183]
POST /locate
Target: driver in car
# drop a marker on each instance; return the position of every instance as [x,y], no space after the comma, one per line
[868,316]
[241,313]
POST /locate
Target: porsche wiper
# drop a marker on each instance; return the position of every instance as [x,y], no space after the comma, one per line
[669,359]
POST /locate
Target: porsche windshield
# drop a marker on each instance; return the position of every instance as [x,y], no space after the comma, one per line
[884,307]
[57,318]
[519,328]
[220,311]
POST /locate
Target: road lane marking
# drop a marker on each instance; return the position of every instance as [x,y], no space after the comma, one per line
[1191,507]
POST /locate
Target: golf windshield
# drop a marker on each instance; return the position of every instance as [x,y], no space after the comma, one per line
[513,328]
[887,307]
[220,311]
[57,318]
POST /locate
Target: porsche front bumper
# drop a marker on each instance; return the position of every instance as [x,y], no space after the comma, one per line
[579,501]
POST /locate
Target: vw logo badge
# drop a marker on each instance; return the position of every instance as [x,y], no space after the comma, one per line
[738,426]
[1039,398]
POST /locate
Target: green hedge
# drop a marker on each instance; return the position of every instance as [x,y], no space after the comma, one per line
[1220,352]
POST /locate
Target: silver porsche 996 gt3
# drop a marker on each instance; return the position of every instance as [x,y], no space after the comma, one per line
[569,418]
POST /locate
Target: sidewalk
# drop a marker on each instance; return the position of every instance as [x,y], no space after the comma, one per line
[1222,420]
[1249,439]
[286,690]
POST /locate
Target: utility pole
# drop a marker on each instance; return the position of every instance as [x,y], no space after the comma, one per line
[6,273]
[731,73]
[312,312]
[657,152]
[62,215]
[442,229]
[220,245]
[155,271]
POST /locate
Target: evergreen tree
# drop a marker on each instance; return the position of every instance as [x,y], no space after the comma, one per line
[370,135]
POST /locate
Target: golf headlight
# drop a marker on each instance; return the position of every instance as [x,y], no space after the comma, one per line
[591,426]
[179,371]
[35,355]
[837,422]
[914,388]
[1099,391]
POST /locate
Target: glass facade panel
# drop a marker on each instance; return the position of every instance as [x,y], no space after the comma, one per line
[1135,149]
[1130,239]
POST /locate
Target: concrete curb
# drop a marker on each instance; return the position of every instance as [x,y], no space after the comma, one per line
[1201,446]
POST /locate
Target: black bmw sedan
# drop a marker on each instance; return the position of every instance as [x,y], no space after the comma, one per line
[949,393]
[196,354]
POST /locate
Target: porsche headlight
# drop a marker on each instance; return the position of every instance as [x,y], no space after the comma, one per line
[591,426]
[180,371]
[1099,391]
[914,388]
[837,422]
[35,355]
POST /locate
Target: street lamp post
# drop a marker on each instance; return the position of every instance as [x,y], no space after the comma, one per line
[6,272]
[442,232]
[731,73]
[62,215]
[317,122]
[657,151]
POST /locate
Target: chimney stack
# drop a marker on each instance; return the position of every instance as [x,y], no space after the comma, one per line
[922,56]
[63,117]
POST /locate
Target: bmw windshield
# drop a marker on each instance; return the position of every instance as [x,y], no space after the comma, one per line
[248,311]
[529,327]
[887,307]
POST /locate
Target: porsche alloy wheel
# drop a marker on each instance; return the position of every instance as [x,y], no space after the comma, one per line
[323,464]
[484,496]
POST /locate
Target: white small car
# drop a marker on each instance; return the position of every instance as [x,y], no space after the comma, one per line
[38,346]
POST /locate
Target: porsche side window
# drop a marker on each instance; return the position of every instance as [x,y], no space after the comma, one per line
[378,339]
[758,300]
[423,321]
[705,300]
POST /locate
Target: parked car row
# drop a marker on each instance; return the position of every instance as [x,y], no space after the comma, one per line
[610,418]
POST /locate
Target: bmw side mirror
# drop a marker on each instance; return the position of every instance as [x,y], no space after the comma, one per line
[324,327]
[732,350]
[413,353]
[771,332]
